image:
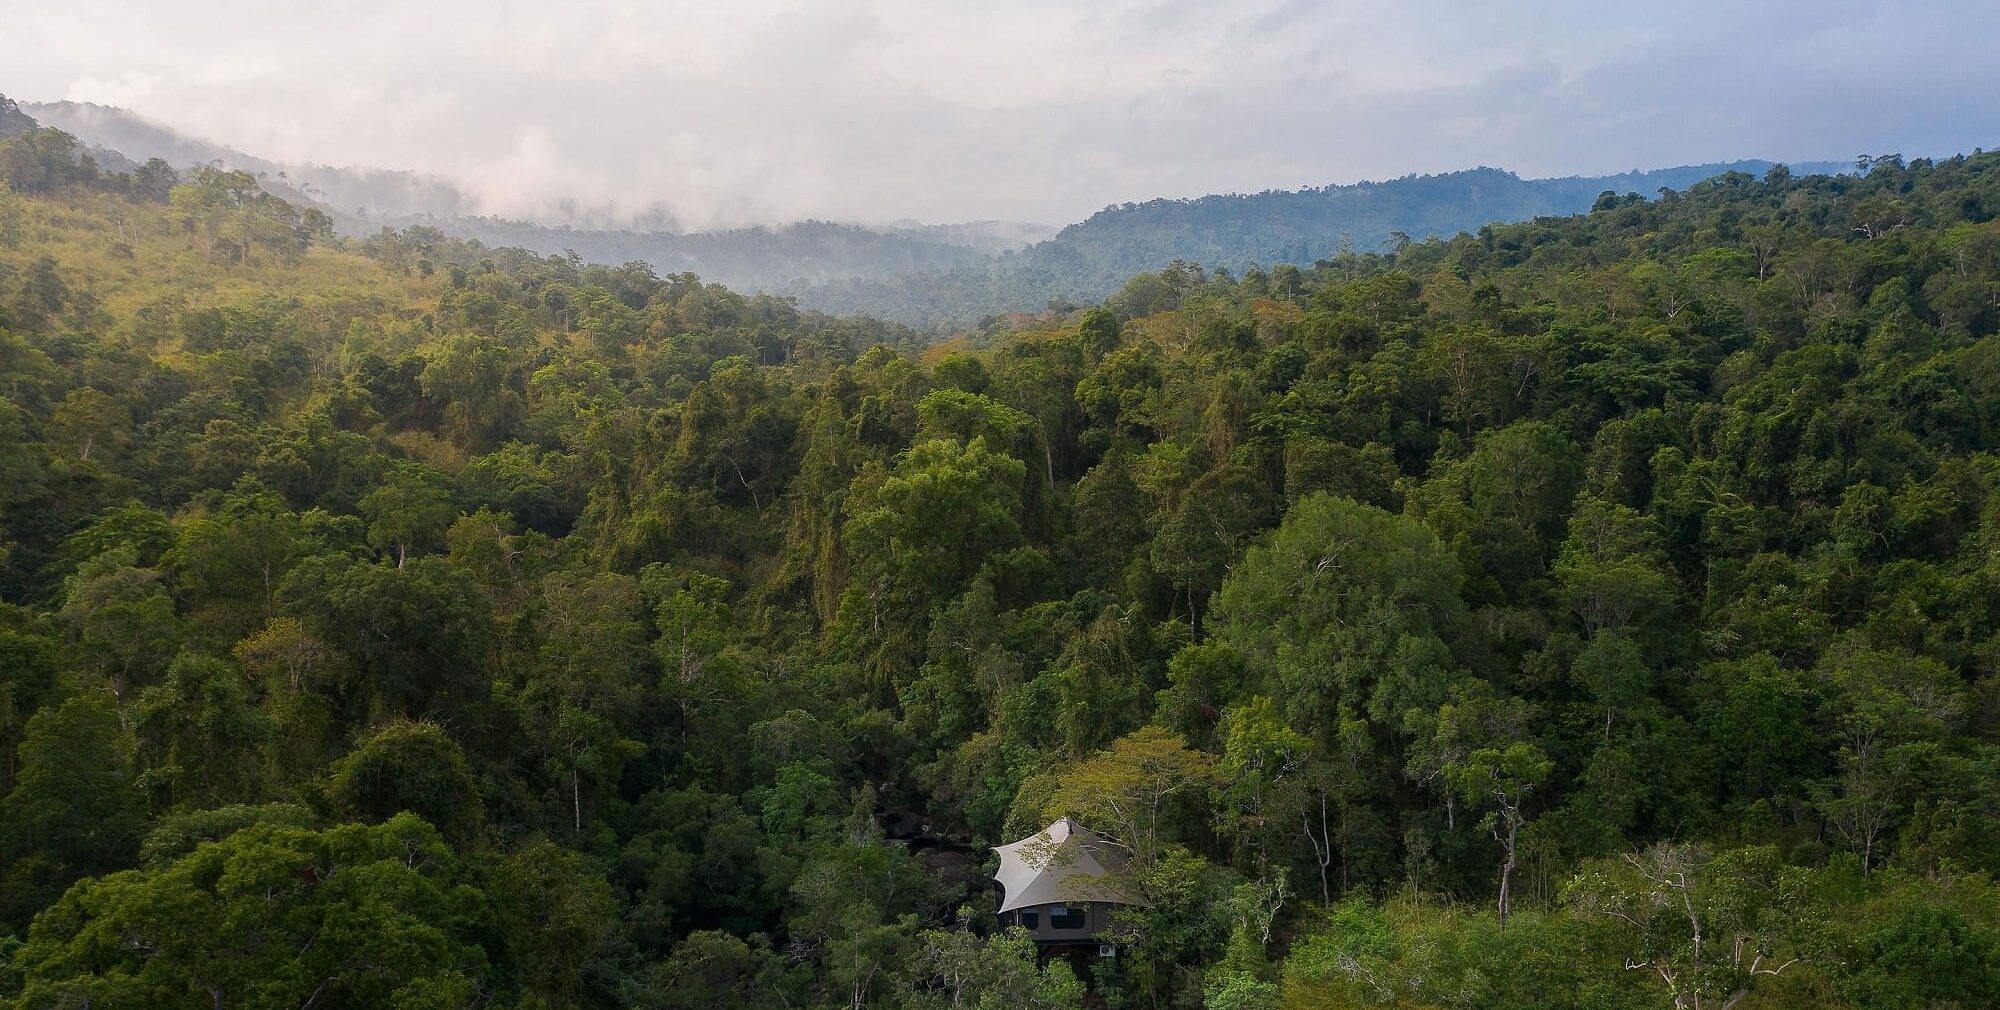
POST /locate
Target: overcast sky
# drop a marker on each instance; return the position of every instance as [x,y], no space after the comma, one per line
[735,111]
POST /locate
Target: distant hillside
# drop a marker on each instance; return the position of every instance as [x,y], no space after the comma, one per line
[1241,230]
[754,259]
[360,198]
[1087,261]
[13,122]
[992,236]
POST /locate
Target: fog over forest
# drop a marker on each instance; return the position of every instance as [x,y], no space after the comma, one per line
[876,111]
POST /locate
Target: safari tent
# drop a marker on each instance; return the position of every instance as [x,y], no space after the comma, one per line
[1060,884]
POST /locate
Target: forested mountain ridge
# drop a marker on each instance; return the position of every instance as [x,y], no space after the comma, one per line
[1087,261]
[1244,230]
[938,277]
[404,622]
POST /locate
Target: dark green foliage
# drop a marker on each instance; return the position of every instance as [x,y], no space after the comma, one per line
[407,766]
[74,810]
[421,629]
[28,671]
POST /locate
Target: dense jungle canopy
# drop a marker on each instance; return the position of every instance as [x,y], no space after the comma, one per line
[1598,611]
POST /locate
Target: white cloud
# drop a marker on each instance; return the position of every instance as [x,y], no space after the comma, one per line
[765,110]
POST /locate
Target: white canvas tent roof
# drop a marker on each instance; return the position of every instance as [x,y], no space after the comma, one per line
[1064,862]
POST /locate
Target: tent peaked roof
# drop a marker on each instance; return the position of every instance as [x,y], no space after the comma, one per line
[1064,862]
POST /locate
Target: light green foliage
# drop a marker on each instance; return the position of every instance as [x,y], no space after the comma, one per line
[1167,940]
[915,534]
[1917,949]
[408,511]
[1405,953]
[11,214]
[1612,576]
[692,615]
[123,617]
[1237,981]
[964,416]
[1890,713]
[1347,610]
[1128,791]
[957,969]
[711,968]
[1708,928]
[179,834]
[1261,756]
[231,218]
[1478,750]
[360,915]
[926,524]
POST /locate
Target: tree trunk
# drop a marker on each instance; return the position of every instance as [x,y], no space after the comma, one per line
[1048,460]
[1507,868]
[1322,847]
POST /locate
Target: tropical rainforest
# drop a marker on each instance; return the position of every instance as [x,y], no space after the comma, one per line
[1600,611]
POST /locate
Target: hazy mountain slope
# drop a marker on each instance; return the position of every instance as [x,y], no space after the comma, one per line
[13,122]
[359,197]
[758,259]
[365,199]
[136,137]
[992,236]
[1089,260]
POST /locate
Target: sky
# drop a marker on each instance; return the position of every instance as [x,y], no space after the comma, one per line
[763,111]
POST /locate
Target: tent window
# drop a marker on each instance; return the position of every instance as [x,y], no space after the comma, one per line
[1030,919]
[1066,917]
